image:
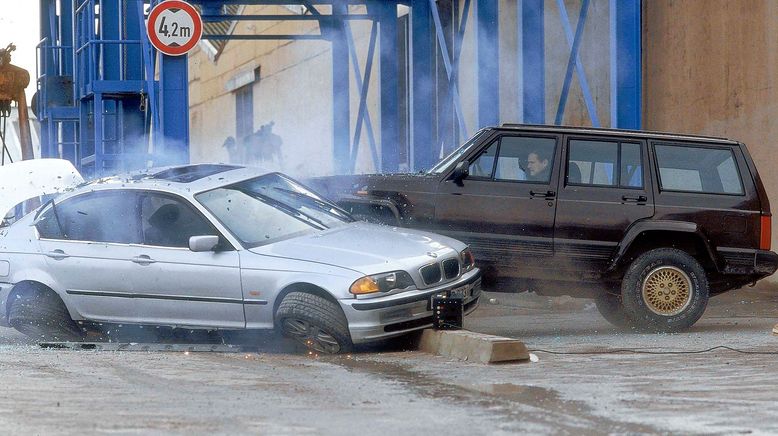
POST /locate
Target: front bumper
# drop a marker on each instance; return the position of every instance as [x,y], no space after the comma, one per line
[385,317]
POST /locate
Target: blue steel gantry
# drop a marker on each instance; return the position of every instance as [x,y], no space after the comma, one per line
[108,102]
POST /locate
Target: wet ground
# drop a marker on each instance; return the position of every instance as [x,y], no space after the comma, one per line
[588,378]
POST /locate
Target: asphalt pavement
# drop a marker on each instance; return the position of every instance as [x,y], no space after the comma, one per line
[587,378]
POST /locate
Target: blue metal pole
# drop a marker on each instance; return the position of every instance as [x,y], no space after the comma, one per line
[363,115]
[341,122]
[451,68]
[488,63]
[48,68]
[579,69]
[390,83]
[109,29]
[422,144]
[626,66]
[66,69]
[571,62]
[174,105]
[533,62]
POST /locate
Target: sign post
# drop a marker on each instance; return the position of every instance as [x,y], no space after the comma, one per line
[174,28]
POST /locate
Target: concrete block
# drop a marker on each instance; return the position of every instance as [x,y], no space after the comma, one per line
[473,347]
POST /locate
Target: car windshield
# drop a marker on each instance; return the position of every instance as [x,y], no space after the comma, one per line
[269,208]
[455,155]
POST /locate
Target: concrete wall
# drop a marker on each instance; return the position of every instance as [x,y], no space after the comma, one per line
[295,86]
[711,67]
[294,91]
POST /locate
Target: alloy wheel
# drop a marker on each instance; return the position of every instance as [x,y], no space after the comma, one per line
[667,291]
[310,335]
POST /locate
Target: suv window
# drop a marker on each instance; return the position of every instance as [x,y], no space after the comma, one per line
[516,158]
[698,169]
[168,222]
[98,217]
[594,163]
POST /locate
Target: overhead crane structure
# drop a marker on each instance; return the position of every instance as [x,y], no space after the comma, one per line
[108,102]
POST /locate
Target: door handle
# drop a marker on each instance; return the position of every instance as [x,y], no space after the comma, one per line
[548,195]
[57,254]
[631,199]
[143,260]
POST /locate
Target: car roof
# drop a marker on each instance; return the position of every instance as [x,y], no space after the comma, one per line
[646,134]
[185,180]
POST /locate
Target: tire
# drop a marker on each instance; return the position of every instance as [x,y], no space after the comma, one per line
[665,290]
[314,322]
[611,308]
[40,314]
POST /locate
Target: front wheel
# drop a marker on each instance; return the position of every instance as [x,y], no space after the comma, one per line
[665,290]
[314,322]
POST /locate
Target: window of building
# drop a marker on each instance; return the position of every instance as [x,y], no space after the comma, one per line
[244,112]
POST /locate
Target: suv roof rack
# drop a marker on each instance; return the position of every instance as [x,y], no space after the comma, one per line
[628,132]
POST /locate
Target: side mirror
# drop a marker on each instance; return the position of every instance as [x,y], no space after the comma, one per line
[461,172]
[203,243]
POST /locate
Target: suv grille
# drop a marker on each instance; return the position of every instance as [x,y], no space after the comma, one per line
[451,268]
[431,274]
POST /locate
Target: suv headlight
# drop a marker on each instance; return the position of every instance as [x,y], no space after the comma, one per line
[468,261]
[382,283]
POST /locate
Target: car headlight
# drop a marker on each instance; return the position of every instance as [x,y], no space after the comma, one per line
[382,283]
[467,259]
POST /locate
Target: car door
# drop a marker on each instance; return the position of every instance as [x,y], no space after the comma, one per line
[605,189]
[87,241]
[174,285]
[505,208]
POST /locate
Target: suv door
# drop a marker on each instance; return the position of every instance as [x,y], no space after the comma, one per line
[175,285]
[87,241]
[605,189]
[505,208]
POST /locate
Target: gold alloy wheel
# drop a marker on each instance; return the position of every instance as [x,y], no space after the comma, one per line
[667,291]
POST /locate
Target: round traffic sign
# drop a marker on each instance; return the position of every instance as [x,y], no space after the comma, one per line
[174,27]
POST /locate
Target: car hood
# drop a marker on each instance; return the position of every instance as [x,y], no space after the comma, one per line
[338,186]
[366,248]
[26,179]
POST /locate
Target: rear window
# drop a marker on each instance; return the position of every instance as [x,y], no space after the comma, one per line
[698,169]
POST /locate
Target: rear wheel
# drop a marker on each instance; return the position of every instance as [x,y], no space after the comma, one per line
[665,290]
[314,322]
[40,314]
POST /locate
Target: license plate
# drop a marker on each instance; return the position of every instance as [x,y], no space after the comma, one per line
[458,292]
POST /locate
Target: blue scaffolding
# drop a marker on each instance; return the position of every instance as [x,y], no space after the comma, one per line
[109,102]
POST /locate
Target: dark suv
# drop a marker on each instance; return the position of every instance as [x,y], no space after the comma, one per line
[648,224]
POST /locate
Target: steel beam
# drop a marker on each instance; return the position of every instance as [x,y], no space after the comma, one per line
[451,70]
[488,63]
[363,114]
[533,62]
[626,67]
[571,62]
[174,107]
[579,69]
[109,54]
[390,84]
[341,123]
[422,143]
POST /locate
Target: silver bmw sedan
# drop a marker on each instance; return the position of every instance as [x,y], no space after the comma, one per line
[222,247]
